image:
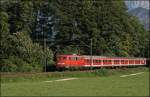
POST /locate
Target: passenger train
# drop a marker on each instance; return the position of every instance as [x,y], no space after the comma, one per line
[67,61]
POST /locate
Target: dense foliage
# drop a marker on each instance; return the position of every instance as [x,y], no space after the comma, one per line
[32,31]
[18,51]
[107,23]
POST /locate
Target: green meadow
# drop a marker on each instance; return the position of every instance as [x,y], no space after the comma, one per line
[110,85]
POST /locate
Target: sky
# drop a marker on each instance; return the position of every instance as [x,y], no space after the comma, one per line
[131,4]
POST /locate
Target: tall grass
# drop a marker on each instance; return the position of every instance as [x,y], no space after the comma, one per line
[15,77]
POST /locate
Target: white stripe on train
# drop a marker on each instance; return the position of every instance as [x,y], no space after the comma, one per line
[114,65]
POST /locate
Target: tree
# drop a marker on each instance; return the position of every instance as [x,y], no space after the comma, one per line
[18,51]
[24,54]
[4,32]
[113,30]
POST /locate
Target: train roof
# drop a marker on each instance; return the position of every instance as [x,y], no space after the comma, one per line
[95,57]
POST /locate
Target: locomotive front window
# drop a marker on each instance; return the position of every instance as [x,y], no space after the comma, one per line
[73,58]
[77,58]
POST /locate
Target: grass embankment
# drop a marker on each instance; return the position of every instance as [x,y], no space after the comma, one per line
[25,77]
[91,84]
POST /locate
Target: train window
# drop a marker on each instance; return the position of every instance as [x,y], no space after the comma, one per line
[138,61]
[78,58]
[123,61]
[104,60]
[64,58]
[115,61]
[97,61]
[75,58]
[72,58]
[109,60]
[88,61]
[94,61]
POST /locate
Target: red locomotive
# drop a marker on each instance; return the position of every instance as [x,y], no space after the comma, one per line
[66,61]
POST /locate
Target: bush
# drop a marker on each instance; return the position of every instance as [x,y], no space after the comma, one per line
[7,66]
[101,72]
[15,64]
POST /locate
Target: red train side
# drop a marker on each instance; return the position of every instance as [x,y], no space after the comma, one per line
[97,61]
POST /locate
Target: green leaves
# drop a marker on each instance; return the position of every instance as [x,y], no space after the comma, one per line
[106,22]
[19,53]
[24,55]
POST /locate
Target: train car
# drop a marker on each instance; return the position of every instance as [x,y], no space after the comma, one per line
[70,61]
[66,61]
